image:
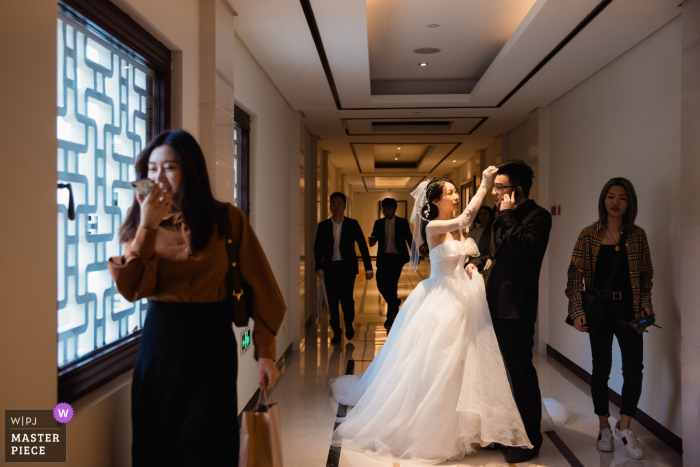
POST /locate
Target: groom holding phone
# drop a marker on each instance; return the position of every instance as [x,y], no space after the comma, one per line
[519,238]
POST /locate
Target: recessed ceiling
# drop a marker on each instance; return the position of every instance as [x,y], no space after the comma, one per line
[402,183]
[408,153]
[470,36]
[553,48]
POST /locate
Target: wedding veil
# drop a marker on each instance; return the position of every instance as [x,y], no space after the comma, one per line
[417,219]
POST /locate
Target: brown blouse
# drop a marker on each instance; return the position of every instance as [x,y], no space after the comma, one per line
[159,265]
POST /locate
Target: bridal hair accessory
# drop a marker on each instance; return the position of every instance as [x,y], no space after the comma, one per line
[418,216]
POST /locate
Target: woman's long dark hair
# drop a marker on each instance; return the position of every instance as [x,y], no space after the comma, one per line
[196,203]
[630,215]
[433,192]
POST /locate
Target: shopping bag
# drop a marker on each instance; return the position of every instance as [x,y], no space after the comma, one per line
[261,436]
[321,300]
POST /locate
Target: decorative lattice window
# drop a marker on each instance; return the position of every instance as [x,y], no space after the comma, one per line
[111,102]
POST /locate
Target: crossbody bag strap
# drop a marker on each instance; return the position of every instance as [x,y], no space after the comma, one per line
[616,263]
[233,276]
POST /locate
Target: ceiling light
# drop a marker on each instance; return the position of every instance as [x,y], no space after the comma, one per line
[396,158]
[422,64]
[454,160]
[398,148]
[433,25]
[427,50]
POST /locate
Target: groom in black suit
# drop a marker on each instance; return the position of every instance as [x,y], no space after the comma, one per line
[336,263]
[392,233]
[519,238]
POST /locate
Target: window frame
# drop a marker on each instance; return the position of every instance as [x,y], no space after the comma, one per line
[242,119]
[100,366]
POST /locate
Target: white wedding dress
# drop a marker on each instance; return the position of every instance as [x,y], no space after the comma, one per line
[438,388]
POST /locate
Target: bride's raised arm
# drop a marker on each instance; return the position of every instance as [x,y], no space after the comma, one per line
[437,227]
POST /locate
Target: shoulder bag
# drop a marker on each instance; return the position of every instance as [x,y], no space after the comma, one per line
[239,292]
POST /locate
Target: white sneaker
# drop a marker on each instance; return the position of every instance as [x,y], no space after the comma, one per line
[632,445]
[605,440]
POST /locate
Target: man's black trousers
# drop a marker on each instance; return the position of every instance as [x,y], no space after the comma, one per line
[340,283]
[388,274]
[516,339]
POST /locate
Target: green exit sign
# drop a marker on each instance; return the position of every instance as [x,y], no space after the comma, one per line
[245,341]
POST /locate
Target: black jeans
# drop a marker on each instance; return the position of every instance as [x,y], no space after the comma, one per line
[516,339]
[632,350]
[340,283]
[388,274]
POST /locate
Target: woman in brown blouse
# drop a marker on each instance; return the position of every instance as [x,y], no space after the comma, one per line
[184,401]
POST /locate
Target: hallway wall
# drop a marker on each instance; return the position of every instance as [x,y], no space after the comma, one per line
[28,337]
[100,433]
[274,194]
[624,121]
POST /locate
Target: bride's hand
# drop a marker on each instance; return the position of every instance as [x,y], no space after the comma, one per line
[488,175]
[470,269]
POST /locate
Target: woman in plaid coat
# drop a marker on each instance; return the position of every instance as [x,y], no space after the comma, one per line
[590,266]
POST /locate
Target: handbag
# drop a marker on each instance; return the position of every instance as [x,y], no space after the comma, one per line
[321,300]
[239,293]
[595,301]
[261,436]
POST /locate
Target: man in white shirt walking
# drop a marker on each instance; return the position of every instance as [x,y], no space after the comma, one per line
[336,263]
[392,233]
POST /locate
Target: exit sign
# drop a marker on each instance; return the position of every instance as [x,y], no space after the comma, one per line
[246,340]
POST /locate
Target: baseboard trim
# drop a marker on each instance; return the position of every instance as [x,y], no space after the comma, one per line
[656,428]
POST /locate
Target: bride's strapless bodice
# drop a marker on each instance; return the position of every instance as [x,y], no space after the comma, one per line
[445,258]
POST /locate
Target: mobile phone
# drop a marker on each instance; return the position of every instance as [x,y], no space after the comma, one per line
[143,186]
[517,195]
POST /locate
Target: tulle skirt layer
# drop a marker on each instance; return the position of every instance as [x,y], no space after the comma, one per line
[438,388]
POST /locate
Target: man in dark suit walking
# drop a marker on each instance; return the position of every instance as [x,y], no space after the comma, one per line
[336,263]
[392,233]
[519,238]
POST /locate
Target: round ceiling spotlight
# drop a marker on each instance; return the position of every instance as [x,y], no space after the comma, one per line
[454,160]
[427,50]
[422,64]
[433,25]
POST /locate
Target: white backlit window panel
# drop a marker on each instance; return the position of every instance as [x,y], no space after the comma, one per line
[105,113]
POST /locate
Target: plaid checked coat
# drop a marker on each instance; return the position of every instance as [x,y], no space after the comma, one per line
[583,261]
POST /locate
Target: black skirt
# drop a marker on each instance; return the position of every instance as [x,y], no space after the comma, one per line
[184,400]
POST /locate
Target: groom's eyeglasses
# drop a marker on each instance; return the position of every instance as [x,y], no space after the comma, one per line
[499,188]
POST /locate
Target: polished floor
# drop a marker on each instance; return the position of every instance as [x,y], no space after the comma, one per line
[309,410]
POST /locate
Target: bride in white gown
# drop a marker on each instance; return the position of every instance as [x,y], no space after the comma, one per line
[438,388]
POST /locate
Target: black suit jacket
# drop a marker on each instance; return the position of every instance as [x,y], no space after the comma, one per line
[518,243]
[350,233]
[402,235]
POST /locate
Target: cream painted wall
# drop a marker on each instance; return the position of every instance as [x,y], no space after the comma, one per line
[175,23]
[624,121]
[690,238]
[28,185]
[100,433]
[274,148]
[366,210]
